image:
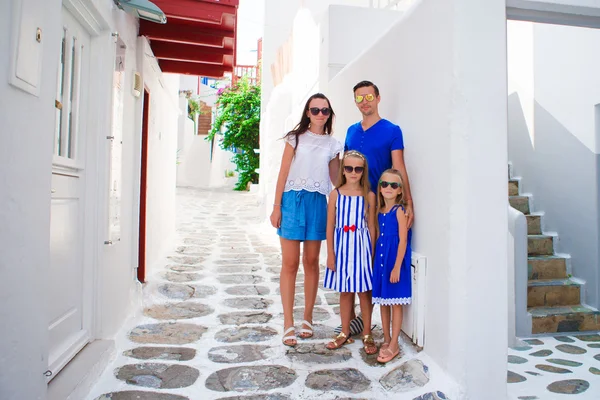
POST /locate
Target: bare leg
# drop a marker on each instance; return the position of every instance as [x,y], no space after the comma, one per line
[366,308]
[396,327]
[290,255]
[310,262]
[385,322]
[345,306]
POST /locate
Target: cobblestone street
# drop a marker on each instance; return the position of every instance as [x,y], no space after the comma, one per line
[211,324]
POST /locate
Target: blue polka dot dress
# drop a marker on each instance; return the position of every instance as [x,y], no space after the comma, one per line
[352,247]
[386,250]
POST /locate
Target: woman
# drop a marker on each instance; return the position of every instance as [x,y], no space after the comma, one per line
[310,162]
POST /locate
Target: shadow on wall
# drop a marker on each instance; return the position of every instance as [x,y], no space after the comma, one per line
[562,175]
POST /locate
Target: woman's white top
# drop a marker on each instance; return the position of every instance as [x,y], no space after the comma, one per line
[310,165]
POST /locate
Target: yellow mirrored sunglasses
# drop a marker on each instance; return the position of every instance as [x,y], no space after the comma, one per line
[368,97]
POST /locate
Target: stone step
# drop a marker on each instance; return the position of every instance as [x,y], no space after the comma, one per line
[564,319]
[513,187]
[553,293]
[540,245]
[520,203]
[534,224]
[546,267]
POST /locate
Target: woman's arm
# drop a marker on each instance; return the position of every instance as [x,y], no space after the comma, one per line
[403,234]
[284,170]
[330,229]
[334,168]
[371,220]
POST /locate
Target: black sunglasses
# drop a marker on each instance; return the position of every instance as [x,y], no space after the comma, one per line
[315,111]
[394,185]
[358,170]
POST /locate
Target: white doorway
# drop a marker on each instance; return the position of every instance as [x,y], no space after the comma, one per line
[69,298]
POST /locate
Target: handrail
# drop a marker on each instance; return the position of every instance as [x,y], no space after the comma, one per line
[519,320]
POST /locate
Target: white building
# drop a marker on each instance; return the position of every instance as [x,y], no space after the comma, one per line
[441,66]
[88,169]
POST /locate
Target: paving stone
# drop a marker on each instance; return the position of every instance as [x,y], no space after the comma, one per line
[319,314]
[266,396]
[571,386]
[140,395]
[528,398]
[522,348]
[193,250]
[184,310]
[167,333]
[541,353]
[203,291]
[157,375]
[251,378]
[247,290]
[245,317]
[432,396]
[238,354]
[248,303]
[513,377]
[345,380]
[516,360]
[332,298]
[238,269]
[566,363]
[532,373]
[594,345]
[409,375]
[594,370]
[564,339]
[588,338]
[320,331]
[597,357]
[299,300]
[569,348]
[240,279]
[274,270]
[198,241]
[181,277]
[534,342]
[317,353]
[239,258]
[175,291]
[185,268]
[161,353]
[550,368]
[190,260]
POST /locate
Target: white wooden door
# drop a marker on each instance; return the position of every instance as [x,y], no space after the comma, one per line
[67,304]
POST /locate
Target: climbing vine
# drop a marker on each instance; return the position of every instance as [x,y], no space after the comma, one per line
[238,120]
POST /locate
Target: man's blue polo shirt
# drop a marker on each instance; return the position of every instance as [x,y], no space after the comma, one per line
[377,144]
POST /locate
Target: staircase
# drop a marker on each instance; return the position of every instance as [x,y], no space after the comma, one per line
[553,298]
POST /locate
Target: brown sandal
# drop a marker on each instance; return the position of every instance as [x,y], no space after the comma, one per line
[369,344]
[336,344]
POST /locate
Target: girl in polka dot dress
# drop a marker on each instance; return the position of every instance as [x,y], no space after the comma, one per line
[391,269]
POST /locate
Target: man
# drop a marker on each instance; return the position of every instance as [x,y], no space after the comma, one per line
[382,144]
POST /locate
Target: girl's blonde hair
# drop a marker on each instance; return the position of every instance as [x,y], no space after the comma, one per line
[364,179]
[399,198]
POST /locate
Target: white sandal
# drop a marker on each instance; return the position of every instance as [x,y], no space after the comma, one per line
[308,332]
[287,337]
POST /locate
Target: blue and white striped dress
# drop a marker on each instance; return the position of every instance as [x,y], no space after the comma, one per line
[352,247]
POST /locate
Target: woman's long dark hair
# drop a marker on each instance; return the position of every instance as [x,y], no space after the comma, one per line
[305,120]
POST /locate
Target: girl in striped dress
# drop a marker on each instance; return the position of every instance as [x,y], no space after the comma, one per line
[350,226]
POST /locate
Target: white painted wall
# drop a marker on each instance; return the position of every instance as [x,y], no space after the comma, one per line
[455,138]
[554,139]
[25,212]
[25,173]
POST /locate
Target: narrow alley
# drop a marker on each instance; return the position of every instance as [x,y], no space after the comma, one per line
[212,323]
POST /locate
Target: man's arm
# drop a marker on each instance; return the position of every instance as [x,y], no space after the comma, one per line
[398,163]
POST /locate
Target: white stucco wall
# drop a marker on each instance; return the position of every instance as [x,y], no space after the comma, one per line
[25,213]
[554,88]
[25,173]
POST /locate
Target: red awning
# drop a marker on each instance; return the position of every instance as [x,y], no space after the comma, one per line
[199,37]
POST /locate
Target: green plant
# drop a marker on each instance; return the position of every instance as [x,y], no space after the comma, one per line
[193,108]
[229,174]
[238,114]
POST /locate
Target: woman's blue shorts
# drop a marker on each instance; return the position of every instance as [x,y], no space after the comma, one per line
[303,215]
